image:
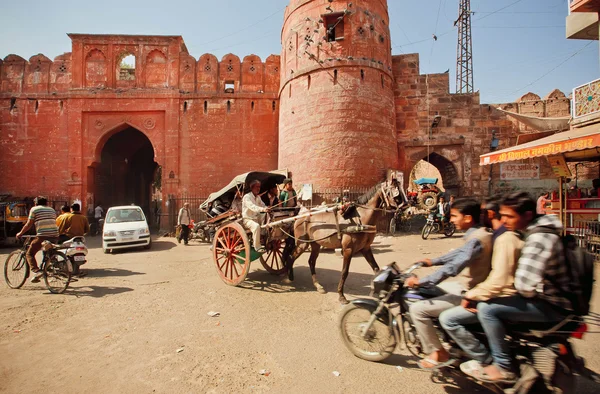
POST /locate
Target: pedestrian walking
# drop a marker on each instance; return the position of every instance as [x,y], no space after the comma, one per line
[183,220]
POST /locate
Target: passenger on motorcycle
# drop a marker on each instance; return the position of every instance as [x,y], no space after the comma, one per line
[541,280]
[476,254]
[506,248]
[443,211]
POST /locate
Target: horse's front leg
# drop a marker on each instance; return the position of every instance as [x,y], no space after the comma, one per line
[347,254]
[298,250]
[368,253]
[315,248]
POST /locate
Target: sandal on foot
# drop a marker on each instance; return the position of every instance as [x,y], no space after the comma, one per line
[436,364]
[469,366]
[480,375]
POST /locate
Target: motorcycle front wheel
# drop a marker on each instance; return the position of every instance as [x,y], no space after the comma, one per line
[449,230]
[377,344]
[426,231]
[393,226]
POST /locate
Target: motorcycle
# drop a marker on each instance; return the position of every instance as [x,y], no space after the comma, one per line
[435,224]
[76,250]
[96,227]
[372,332]
[202,231]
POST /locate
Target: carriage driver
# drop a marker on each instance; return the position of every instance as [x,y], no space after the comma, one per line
[252,208]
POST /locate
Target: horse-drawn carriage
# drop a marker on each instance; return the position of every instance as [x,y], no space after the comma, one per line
[232,250]
[289,232]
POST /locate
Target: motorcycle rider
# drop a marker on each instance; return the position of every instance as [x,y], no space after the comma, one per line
[506,248]
[475,253]
[541,280]
[443,211]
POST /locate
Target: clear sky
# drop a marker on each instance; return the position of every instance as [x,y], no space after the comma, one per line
[518,49]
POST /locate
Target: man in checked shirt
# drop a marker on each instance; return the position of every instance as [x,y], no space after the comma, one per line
[541,280]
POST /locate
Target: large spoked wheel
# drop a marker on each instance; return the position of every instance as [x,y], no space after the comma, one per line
[231,252]
[274,259]
[377,343]
[449,230]
[56,273]
[16,269]
[426,231]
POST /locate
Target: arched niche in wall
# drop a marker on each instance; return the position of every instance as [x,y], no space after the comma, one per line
[156,69]
[125,69]
[95,69]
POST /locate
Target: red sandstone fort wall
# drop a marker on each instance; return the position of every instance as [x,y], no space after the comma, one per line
[337,111]
[464,131]
[56,116]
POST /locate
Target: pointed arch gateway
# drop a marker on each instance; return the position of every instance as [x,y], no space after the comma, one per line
[124,168]
[437,166]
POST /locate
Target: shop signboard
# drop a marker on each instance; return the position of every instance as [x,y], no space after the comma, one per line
[515,171]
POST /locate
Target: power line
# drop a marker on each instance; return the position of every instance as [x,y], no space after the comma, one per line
[553,69]
[519,27]
[243,29]
[498,10]
[270,33]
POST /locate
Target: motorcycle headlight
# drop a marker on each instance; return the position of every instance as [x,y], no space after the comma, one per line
[110,234]
[144,230]
[381,282]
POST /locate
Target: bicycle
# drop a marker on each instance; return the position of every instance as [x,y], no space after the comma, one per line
[55,266]
[400,221]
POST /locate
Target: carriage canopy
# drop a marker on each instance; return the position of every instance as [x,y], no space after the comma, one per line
[227,193]
[426,181]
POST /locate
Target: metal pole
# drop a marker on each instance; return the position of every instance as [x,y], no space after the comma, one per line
[560,198]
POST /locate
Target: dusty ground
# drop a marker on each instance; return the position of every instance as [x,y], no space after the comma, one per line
[119,329]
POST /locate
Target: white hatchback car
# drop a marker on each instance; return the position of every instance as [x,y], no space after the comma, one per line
[125,227]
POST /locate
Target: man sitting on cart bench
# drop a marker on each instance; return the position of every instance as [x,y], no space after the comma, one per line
[252,208]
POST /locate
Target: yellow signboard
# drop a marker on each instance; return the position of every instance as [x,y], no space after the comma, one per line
[559,166]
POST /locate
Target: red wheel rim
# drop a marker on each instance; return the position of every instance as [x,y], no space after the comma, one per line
[273,260]
[231,252]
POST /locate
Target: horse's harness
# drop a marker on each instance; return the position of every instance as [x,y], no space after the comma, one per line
[388,200]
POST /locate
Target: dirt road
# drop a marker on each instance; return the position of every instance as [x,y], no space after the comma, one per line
[138,323]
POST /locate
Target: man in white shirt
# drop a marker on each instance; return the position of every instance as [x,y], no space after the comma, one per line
[252,209]
[98,212]
[183,220]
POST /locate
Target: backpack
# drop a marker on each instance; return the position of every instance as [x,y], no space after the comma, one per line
[580,268]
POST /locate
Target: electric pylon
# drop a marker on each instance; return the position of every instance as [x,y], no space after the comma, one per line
[464,59]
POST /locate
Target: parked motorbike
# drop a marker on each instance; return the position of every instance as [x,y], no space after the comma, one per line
[371,331]
[96,228]
[202,230]
[435,224]
[76,250]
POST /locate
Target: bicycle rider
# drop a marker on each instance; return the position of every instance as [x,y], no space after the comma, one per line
[44,219]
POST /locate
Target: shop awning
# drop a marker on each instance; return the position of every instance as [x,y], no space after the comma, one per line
[585,141]
[540,124]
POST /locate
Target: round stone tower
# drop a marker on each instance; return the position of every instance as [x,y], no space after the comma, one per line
[337,113]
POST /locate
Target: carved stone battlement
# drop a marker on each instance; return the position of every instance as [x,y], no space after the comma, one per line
[159,62]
